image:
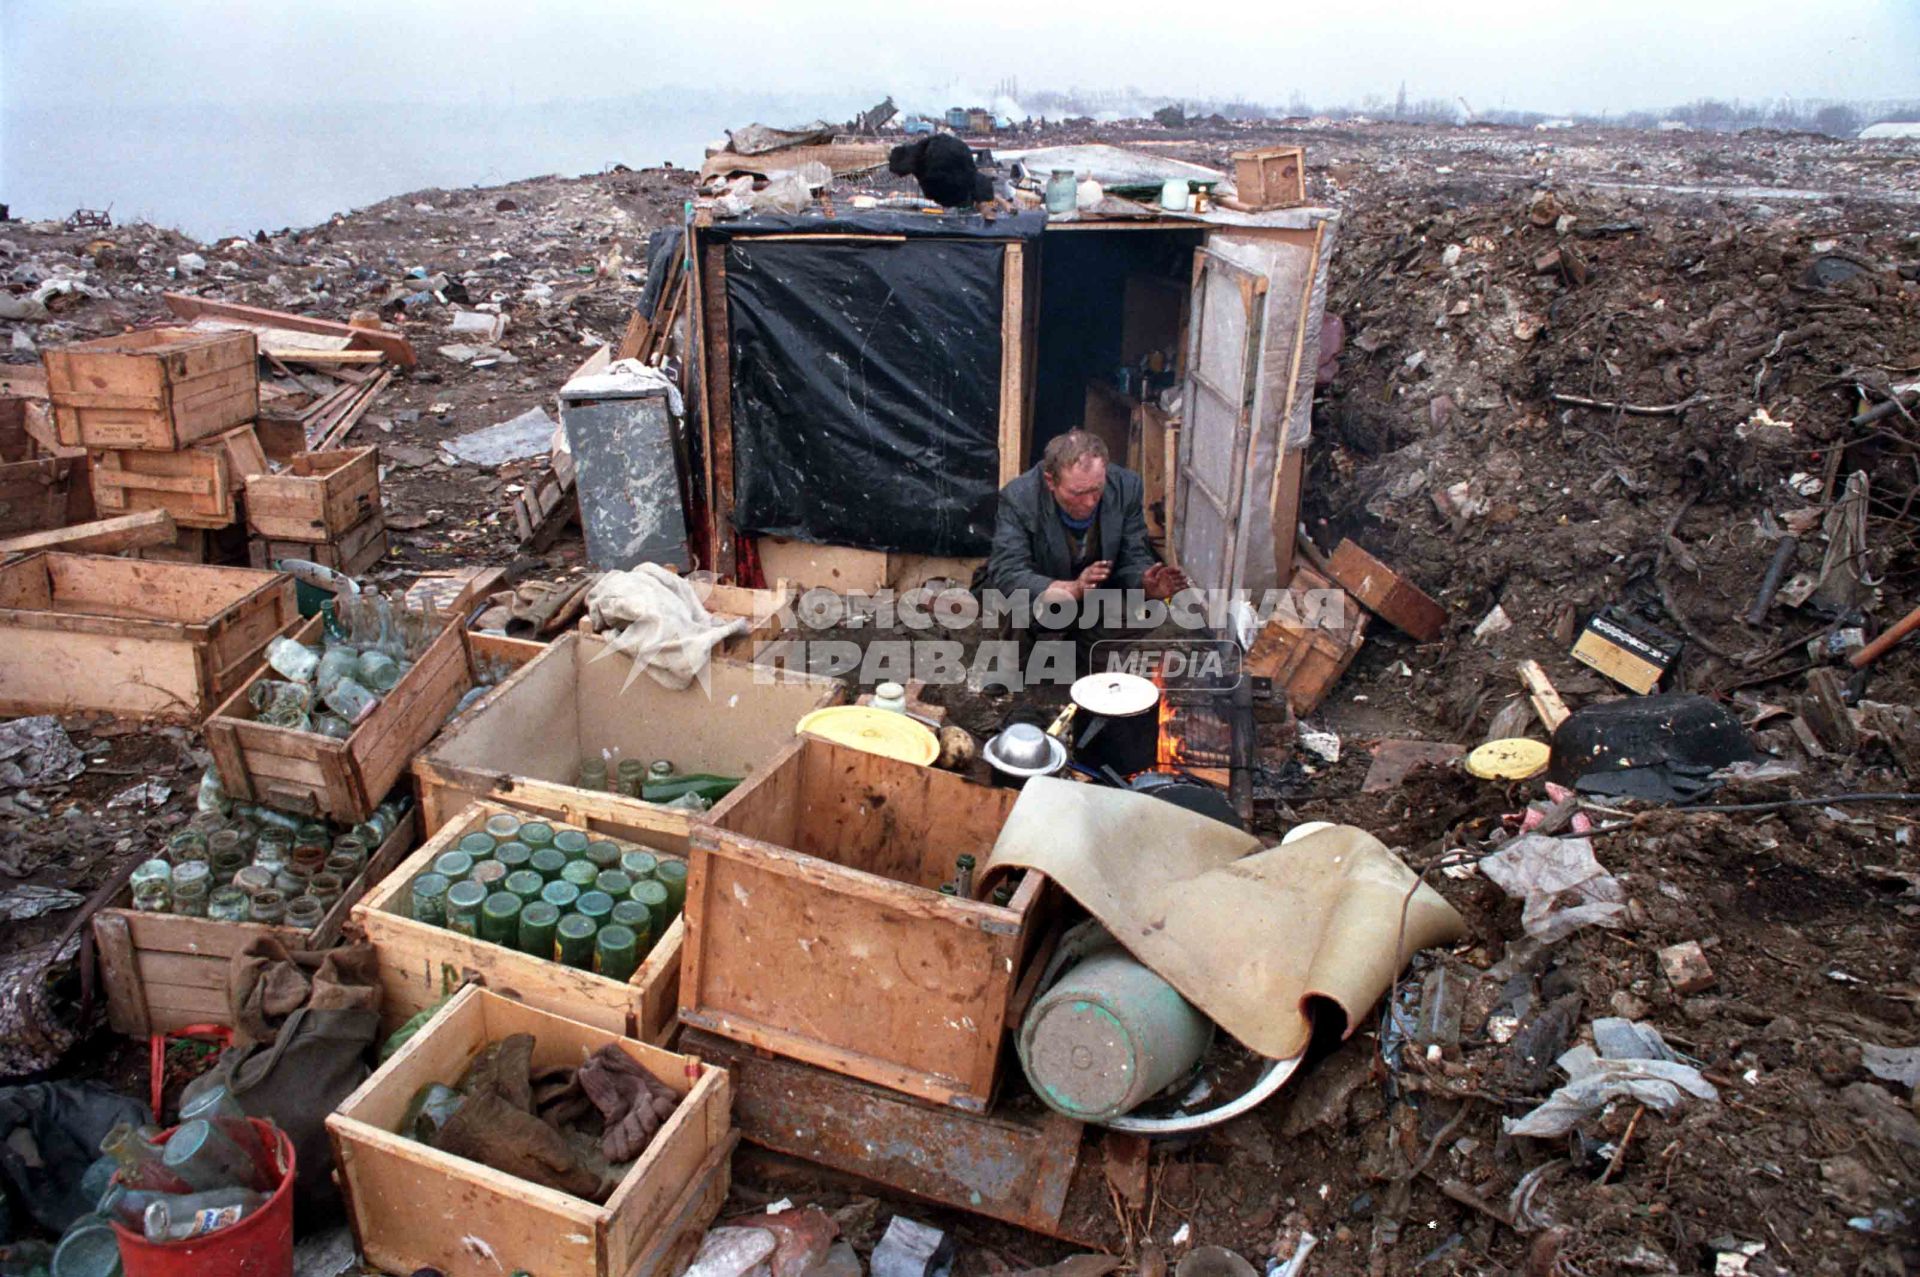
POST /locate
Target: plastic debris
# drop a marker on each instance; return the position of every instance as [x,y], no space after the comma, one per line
[1662,1085]
[1564,887]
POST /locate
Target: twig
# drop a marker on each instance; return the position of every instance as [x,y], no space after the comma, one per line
[1633,410]
[1620,1152]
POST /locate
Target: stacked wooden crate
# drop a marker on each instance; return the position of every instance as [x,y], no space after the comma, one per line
[166,417]
[323,507]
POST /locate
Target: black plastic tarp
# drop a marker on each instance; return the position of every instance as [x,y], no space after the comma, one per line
[866,388]
[883,221]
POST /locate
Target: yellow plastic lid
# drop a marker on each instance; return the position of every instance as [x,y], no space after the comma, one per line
[1514,758]
[878,731]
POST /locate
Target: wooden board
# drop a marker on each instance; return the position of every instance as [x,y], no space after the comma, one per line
[389,343]
[413,1206]
[356,551]
[132,638]
[807,566]
[717,364]
[421,963]
[816,929]
[196,485]
[1385,593]
[1308,644]
[164,972]
[521,743]
[343,780]
[1013,364]
[318,497]
[1273,177]
[42,494]
[101,536]
[159,389]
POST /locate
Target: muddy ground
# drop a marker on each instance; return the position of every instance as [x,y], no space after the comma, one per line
[1708,277]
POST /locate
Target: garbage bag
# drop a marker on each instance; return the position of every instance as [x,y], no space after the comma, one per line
[50,1133]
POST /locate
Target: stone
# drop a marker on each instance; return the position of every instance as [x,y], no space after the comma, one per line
[1686,968]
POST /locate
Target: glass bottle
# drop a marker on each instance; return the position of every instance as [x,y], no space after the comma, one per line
[378,671]
[580,873]
[454,864]
[614,882]
[525,883]
[202,1154]
[212,795]
[639,865]
[573,941]
[217,1105]
[478,844]
[503,826]
[142,1162]
[490,874]
[463,907]
[560,894]
[603,854]
[571,843]
[547,862]
[616,953]
[280,704]
[500,918]
[537,834]
[338,663]
[514,855]
[538,920]
[636,918]
[673,876]
[350,700]
[594,906]
[331,725]
[652,893]
[197,1214]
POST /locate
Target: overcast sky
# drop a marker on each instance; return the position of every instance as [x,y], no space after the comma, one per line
[1542,54]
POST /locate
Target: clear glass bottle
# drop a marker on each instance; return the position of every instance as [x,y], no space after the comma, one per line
[339,662]
[350,700]
[217,1105]
[192,881]
[197,1214]
[378,671]
[332,725]
[142,1162]
[293,661]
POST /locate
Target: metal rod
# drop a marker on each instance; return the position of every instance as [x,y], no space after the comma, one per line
[1783,555]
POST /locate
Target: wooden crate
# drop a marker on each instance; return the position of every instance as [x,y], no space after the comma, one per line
[1274,177]
[1307,646]
[817,930]
[357,550]
[342,780]
[159,389]
[1387,594]
[421,963]
[521,744]
[137,639]
[197,485]
[163,971]
[38,495]
[413,1206]
[318,497]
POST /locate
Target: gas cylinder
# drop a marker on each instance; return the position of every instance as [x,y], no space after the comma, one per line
[1108,1036]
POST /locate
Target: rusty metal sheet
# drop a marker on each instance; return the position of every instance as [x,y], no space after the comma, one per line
[1011,1167]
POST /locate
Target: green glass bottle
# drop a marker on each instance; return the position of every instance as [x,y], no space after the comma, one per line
[710,787]
[653,894]
[456,865]
[573,941]
[560,894]
[537,834]
[514,855]
[525,883]
[580,873]
[614,882]
[489,874]
[604,854]
[638,864]
[429,898]
[463,907]
[616,953]
[537,923]
[500,918]
[636,918]
[570,843]
[595,906]
[673,876]
[547,862]
[504,826]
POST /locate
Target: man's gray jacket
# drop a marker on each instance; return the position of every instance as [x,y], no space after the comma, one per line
[1030,549]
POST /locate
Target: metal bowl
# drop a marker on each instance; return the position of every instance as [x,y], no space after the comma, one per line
[1025,750]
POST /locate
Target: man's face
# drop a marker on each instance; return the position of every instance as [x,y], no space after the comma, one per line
[1078,489]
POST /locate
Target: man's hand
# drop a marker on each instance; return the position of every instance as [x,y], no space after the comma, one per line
[1163,582]
[1094,575]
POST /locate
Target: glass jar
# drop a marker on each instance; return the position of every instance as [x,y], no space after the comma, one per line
[629,776]
[454,864]
[325,887]
[430,898]
[561,895]
[155,870]
[291,660]
[524,883]
[350,700]
[500,918]
[890,696]
[616,953]
[290,882]
[253,879]
[592,774]
[278,704]
[660,769]
[224,850]
[463,907]
[1063,191]
[207,822]
[352,845]
[303,913]
[573,941]
[570,843]
[192,881]
[331,725]
[538,919]
[345,868]
[378,671]
[267,906]
[228,904]
[503,826]
[155,895]
[188,844]
[271,847]
[338,662]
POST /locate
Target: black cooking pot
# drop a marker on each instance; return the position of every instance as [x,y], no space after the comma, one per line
[1118,723]
[1195,796]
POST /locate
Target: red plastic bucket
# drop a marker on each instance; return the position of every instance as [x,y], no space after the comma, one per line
[261,1245]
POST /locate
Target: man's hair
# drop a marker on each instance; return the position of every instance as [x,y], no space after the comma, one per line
[1066,451]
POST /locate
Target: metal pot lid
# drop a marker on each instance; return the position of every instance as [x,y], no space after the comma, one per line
[1025,750]
[1115,694]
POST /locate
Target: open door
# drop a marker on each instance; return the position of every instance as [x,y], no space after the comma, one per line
[1224,339]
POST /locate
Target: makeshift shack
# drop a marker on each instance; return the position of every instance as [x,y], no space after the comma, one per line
[867,379]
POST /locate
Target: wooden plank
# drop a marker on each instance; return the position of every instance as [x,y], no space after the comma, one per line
[391,344]
[126,1000]
[1013,398]
[719,370]
[421,963]
[300,355]
[674,1245]
[804,565]
[102,536]
[1384,592]
[842,158]
[1546,701]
